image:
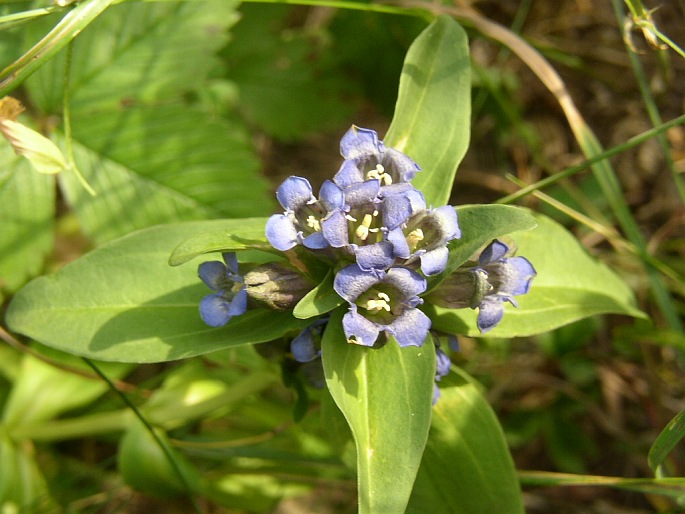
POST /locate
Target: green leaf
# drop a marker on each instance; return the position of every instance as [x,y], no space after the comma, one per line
[249,233]
[570,285]
[466,467]
[385,394]
[285,85]
[432,116]
[135,53]
[320,300]
[159,165]
[479,225]
[669,437]
[123,302]
[27,207]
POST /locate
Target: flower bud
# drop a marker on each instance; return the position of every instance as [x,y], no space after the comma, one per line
[277,285]
[463,288]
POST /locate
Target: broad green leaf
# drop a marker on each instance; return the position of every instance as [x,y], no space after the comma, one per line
[466,467]
[669,437]
[135,53]
[249,233]
[320,300]
[27,207]
[570,285]
[123,302]
[479,225]
[159,165]
[433,113]
[385,395]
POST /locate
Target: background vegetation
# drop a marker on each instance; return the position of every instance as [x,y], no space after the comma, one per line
[157,91]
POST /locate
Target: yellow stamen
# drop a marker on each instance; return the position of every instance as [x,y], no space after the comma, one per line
[379,174]
[380,304]
[414,237]
[312,222]
[362,231]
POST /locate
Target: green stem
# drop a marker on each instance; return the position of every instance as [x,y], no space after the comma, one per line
[68,28]
[66,115]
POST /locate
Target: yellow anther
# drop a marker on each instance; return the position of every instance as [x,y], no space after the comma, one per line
[414,237]
[312,222]
[380,304]
[362,231]
[379,174]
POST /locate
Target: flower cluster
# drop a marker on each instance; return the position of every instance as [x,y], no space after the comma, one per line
[374,229]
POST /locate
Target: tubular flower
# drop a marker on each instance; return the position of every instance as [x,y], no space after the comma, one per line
[425,236]
[366,157]
[301,221]
[230,298]
[497,279]
[382,301]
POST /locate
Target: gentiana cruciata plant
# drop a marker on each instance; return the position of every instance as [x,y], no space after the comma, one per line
[373,230]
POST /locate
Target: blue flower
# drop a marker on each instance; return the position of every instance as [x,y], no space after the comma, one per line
[507,276]
[306,346]
[424,236]
[382,301]
[366,157]
[495,279]
[442,368]
[230,298]
[301,221]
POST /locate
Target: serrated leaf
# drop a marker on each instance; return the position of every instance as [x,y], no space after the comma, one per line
[570,285]
[135,53]
[158,165]
[27,207]
[466,467]
[248,234]
[432,121]
[320,300]
[123,302]
[385,395]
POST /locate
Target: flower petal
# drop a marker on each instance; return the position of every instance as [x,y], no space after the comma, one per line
[315,241]
[396,211]
[213,274]
[356,326]
[334,229]
[410,328]
[434,261]
[231,260]
[331,196]
[303,346]
[362,193]
[376,256]
[443,363]
[294,192]
[400,166]
[490,313]
[493,252]
[446,217]
[348,174]
[358,142]
[214,310]
[399,243]
[281,232]
[406,280]
[352,281]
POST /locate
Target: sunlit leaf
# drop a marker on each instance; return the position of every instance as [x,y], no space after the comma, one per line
[385,395]
[123,302]
[432,117]
[320,300]
[27,207]
[466,467]
[570,285]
